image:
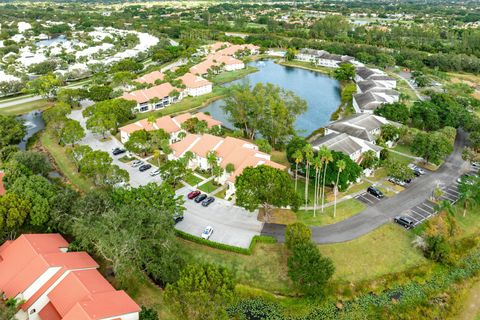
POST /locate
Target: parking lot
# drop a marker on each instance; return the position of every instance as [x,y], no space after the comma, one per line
[232,225]
[368,199]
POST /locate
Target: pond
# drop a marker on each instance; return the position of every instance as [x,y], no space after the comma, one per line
[34,123]
[321,92]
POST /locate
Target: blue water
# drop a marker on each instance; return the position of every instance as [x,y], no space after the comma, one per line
[321,92]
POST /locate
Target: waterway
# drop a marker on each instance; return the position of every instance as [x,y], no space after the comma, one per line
[34,123]
[321,92]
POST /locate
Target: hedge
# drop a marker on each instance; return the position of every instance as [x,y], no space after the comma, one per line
[226,247]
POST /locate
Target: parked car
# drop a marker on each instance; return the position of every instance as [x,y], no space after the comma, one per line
[155,172]
[145,167]
[397,181]
[207,201]
[200,197]
[375,192]
[416,170]
[407,180]
[207,233]
[404,221]
[476,165]
[136,163]
[178,218]
[118,151]
[193,194]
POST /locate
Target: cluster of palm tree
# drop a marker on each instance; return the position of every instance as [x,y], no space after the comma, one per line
[319,161]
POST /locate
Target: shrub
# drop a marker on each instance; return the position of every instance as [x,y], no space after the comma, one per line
[296,234]
[255,309]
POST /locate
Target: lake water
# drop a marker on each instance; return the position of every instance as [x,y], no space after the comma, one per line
[34,123]
[321,92]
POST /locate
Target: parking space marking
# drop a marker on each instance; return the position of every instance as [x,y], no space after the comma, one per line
[417,216]
[410,216]
[428,213]
[429,209]
[450,193]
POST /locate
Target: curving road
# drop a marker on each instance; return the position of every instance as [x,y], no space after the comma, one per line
[384,211]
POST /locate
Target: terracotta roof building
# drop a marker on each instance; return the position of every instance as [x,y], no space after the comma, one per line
[52,283]
[153,98]
[195,85]
[229,150]
[2,187]
[171,125]
[151,77]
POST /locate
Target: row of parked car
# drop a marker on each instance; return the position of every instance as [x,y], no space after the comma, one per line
[199,197]
[417,171]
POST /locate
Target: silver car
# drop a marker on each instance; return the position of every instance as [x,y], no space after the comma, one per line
[136,163]
[207,233]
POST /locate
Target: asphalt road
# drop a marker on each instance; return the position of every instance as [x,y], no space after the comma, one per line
[384,211]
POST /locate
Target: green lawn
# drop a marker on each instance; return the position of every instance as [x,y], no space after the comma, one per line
[301,183]
[385,250]
[229,76]
[280,157]
[345,209]
[64,164]
[192,179]
[400,158]
[26,107]
[305,65]
[203,174]
[379,174]
[266,268]
[187,104]
[403,149]
[221,194]
[208,187]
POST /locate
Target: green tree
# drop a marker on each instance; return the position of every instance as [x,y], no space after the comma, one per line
[173,172]
[72,132]
[13,211]
[297,233]
[432,147]
[298,156]
[139,142]
[96,165]
[327,157]
[396,111]
[369,160]
[309,270]
[35,162]
[291,54]
[201,292]
[341,165]
[12,130]
[45,86]
[263,145]
[100,93]
[389,132]
[255,308]
[345,72]
[148,314]
[265,186]
[398,169]
[308,152]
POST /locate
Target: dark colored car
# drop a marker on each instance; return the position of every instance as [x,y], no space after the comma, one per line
[375,192]
[200,198]
[178,218]
[404,221]
[193,194]
[145,167]
[207,201]
[118,151]
[408,180]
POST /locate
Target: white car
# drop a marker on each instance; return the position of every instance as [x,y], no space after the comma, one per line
[155,173]
[136,163]
[207,233]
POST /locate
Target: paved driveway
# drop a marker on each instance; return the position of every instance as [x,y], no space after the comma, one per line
[384,211]
[231,224]
[137,178]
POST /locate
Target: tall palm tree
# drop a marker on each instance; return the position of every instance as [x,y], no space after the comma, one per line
[212,159]
[341,164]
[317,163]
[157,154]
[327,158]
[467,196]
[308,151]
[298,156]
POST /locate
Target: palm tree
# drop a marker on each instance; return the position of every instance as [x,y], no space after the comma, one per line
[467,196]
[181,135]
[317,163]
[445,206]
[157,154]
[187,157]
[308,151]
[341,165]
[327,158]
[212,159]
[298,156]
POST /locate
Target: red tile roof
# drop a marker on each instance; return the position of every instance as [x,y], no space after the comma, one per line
[192,81]
[151,77]
[82,294]
[145,95]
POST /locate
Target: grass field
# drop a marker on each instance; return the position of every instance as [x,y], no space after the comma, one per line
[192,179]
[230,76]
[65,165]
[208,187]
[403,149]
[26,107]
[306,65]
[385,250]
[401,158]
[345,209]
[280,157]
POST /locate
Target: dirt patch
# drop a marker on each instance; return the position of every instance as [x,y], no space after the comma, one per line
[278,216]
